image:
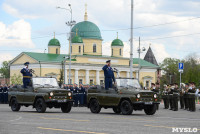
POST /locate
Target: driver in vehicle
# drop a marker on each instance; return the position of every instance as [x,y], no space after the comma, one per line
[27,75]
[109,75]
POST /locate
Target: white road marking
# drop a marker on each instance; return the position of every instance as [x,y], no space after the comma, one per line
[19,118]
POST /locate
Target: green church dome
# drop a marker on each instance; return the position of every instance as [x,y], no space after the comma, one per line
[77,39]
[117,42]
[87,29]
[54,42]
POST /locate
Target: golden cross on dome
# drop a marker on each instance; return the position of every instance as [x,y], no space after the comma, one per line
[85,8]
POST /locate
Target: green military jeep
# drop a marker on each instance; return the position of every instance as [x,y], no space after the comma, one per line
[44,92]
[126,96]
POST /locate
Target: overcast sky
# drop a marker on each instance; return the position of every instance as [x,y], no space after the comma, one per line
[28,25]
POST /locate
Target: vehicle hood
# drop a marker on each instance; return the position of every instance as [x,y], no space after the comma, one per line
[55,90]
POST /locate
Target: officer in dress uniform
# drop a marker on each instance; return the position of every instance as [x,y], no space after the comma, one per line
[175,97]
[82,95]
[170,96]
[186,99]
[182,97]
[191,92]
[5,94]
[109,75]
[26,75]
[166,97]
[75,95]
[1,94]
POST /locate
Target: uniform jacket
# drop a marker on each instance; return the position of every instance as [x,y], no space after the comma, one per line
[108,72]
[26,72]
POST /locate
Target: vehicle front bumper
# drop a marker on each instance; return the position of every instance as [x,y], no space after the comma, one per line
[145,103]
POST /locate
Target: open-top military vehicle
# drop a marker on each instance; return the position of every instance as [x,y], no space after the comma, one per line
[43,92]
[126,96]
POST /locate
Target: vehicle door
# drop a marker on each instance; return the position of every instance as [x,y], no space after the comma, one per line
[29,95]
[19,93]
[110,97]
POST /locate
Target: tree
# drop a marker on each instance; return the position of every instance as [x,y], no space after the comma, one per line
[5,70]
[16,79]
[170,69]
[61,78]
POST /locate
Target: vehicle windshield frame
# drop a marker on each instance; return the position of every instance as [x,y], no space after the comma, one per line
[128,83]
[49,82]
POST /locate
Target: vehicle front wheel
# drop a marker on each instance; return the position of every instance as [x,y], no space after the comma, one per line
[117,110]
[94,106]
[66,108]
[126,107]
[14,105]
[40,105]
[150,109]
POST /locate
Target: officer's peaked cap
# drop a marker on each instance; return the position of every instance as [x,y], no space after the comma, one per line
[26,63]
[108,61]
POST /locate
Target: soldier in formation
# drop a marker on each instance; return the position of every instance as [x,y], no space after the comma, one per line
[156,89]
[187,94]
[4,94]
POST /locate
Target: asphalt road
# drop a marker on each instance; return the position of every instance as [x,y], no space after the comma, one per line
[82,121]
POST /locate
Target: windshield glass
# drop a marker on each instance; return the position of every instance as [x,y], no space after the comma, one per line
[45,82]
[128,83]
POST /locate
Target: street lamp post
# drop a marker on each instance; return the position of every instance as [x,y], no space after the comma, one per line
[140,51]
[131,42]
[69,23]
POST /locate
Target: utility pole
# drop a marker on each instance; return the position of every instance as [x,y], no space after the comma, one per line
[69,23]
[131,42]
[139,61]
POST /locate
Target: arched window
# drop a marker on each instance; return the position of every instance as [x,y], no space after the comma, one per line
[112,52]
[94,48]
[79,49]
[56,50]
[120,51]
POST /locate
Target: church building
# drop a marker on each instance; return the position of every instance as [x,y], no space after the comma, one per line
[87,59]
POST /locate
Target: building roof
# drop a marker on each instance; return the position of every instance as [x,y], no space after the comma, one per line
[77,39]
[144,63]
[46,57]
[150,57]
[87,29]
[54,42]
[117,42]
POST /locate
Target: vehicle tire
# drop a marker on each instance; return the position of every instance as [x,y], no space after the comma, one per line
[40,105]
[66,108]
[150,109]
[117,110]
[94,106]
[126,107]
[14,105]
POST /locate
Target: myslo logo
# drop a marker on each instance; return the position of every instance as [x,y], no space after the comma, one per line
[184,130]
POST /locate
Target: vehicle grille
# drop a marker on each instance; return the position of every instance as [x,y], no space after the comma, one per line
[146,99]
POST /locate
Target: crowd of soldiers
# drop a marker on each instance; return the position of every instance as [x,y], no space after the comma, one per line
[187,94]
[79,93]
[4,94]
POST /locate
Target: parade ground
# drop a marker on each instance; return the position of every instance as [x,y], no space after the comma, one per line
[81,120]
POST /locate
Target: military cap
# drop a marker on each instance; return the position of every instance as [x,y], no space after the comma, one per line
[175,84]
[153,84]
[26,63]
[108,61]
[187,84]
[157,83]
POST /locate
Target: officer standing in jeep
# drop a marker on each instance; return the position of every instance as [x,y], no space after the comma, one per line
[109,75]
[26,75]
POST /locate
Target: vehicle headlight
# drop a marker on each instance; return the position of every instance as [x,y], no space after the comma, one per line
[155,95]
[51,93]
[69,94]
[138,96]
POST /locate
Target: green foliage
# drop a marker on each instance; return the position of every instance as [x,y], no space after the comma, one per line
[61,78]
[5,70]
[170,68]
[16,79]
